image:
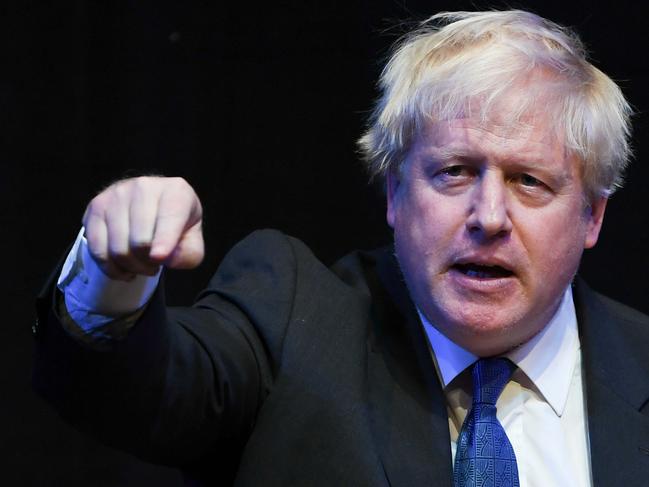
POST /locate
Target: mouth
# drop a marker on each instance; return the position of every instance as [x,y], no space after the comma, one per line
[482,271]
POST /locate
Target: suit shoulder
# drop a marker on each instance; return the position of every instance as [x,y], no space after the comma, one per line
[271,242]
[605,305]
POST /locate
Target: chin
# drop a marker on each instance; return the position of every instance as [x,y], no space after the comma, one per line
[481,329]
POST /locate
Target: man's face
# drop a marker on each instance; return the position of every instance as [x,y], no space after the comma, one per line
[489,226]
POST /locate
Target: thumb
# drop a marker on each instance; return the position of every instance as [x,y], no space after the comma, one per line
[190,250]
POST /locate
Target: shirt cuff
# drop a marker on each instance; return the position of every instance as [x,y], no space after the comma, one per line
[92,298]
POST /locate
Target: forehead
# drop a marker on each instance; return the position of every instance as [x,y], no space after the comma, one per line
[520,125]
[529,107]
[477,136]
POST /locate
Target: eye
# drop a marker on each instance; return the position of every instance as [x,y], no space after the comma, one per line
[453,171]
[527,180]
[453,177]
[533,189]
[530,181]
[457,171]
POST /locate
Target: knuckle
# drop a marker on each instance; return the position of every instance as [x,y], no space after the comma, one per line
[180,184]
[178,180]
[120,190]
[142,183]
[96,205]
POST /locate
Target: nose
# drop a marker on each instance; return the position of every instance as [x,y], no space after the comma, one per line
[489,213]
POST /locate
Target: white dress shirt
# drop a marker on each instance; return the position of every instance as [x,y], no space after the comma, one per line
[92,298]
[542,408]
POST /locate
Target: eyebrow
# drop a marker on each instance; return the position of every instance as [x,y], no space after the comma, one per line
[447,153]
[463,153]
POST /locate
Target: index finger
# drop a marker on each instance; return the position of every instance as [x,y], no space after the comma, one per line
[178,210]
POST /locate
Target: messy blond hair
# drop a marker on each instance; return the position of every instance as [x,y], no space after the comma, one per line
[461,64]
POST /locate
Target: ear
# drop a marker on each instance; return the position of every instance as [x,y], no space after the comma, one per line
[595,218]
[392,183]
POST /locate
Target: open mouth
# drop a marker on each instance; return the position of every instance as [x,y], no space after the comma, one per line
[481,271]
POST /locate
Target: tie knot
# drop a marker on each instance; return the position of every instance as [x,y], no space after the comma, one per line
[489,378]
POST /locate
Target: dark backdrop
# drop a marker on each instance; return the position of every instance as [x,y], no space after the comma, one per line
[258,105]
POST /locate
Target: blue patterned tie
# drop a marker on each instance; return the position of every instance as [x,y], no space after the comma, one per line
[484,455]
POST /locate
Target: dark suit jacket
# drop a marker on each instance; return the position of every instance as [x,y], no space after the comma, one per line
[286,372]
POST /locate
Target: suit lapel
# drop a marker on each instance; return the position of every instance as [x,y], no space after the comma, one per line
[615,341]
[407,405]
[408,409]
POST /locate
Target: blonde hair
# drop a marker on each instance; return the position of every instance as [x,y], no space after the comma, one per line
[461,64]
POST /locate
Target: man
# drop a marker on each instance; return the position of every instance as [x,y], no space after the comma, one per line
[500,145]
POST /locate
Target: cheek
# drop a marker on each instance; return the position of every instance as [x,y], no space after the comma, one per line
[426,215]
[554,244]
[426,233]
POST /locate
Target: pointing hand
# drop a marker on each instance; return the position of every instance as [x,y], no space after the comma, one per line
[136,225]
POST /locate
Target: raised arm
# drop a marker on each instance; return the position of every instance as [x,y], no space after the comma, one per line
[182,383]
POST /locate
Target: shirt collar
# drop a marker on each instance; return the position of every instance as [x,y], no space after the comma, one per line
[548,359]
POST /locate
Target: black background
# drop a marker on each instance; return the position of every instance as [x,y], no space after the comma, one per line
[258,105]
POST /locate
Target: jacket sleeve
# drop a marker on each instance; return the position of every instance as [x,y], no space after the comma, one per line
[186,383]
